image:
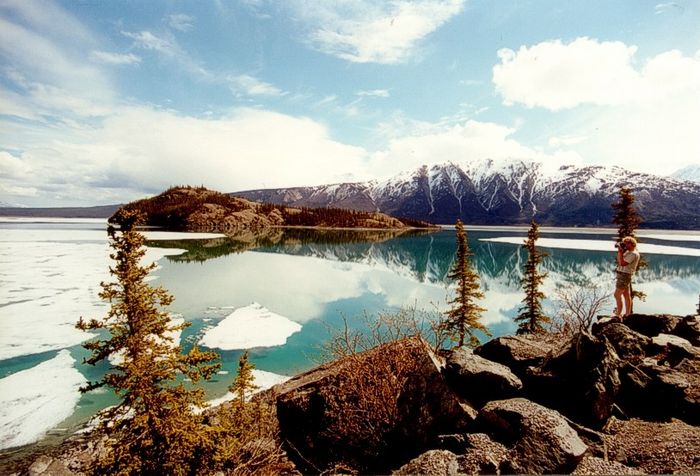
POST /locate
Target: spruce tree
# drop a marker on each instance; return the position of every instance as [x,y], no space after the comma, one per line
[153,429]
[627,219]
[625,216]
[463,319]
[241,421]
[531,318]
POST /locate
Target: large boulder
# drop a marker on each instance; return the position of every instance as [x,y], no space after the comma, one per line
[539,439]
[581,380]
[371,411]
[517,352]
[479,380]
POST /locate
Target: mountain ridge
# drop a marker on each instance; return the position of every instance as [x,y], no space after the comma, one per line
[513,192]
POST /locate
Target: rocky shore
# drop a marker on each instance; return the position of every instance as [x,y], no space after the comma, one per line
[623,398]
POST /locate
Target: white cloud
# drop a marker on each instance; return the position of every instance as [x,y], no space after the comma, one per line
[459,143]
[12,167]
[149,41]
[379,93]
[141,150]
[114,58]
[169,49]
[555,76]
[662,8]
[38,56]
[253,87]
[362,31]
[558,76]
[181,22]
[646,112]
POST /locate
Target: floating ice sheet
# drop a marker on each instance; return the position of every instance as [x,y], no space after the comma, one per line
[248,327]
[37,399]
[597,245]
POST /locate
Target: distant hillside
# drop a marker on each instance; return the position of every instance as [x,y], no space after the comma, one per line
[690,173]
[200,209]
[488,192]
[104,211]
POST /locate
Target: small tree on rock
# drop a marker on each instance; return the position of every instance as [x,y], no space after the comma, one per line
[153,430]
[463,319]
[532,319]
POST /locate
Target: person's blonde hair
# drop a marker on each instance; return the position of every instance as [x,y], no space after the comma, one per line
[630,239]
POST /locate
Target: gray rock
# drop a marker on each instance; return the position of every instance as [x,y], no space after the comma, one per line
[540,439]
[670,392]
[433,462]
[516,352]
[581,380]
[479,380]
[663,341]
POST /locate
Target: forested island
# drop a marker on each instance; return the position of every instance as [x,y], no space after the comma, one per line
[188,208]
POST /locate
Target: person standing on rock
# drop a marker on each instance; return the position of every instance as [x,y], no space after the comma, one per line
[627,261]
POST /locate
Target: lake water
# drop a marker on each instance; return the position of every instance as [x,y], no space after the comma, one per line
[278,295]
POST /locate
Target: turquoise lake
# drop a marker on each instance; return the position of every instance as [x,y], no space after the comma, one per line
[314,279]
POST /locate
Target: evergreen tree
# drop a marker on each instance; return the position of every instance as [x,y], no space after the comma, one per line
[241,421]
[153,430]
[463,319]
[625,216]
[531,318]
[627,219]
[244,384]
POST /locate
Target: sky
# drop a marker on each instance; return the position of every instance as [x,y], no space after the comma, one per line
[103,102]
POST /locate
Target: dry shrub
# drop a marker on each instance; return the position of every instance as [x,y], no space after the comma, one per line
[364,415]
[578,306]
[384,328]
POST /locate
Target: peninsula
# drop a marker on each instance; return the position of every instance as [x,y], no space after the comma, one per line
[200,209]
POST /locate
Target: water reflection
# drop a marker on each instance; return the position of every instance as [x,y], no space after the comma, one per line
[307,274]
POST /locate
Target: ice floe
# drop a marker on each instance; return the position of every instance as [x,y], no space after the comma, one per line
[35,400]
[51,277]
[597,245]
[248,327]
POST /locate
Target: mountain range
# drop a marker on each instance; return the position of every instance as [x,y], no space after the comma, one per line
[509,192]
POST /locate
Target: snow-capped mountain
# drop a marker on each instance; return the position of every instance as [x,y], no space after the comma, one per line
[506,192]
[691,172]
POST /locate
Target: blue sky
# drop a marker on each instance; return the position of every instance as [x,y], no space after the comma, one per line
[104,102]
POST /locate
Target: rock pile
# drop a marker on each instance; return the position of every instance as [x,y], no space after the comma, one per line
[593,403]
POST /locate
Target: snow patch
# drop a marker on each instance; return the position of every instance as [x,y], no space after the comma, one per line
[35,400]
